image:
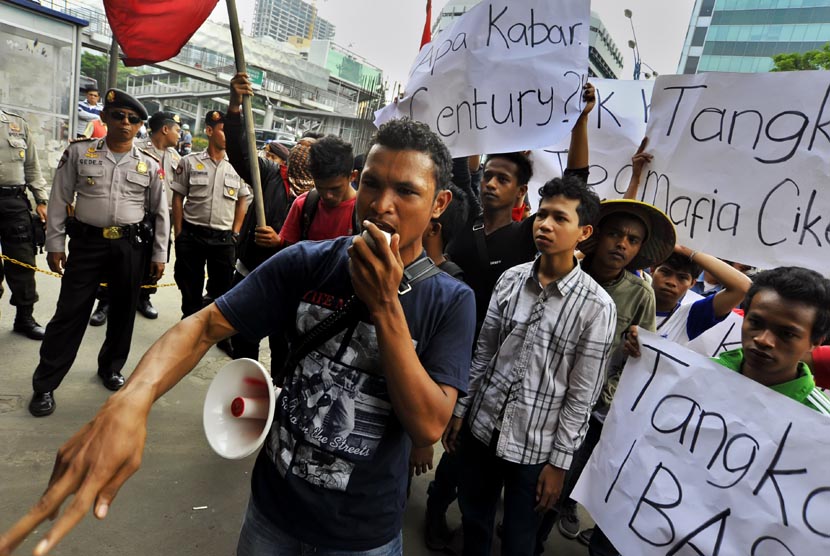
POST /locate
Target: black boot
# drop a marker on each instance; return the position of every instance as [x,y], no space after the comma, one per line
[99,317]
[25,323]
[146,308]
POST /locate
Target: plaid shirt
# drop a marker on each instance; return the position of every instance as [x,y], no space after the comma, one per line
[539,365]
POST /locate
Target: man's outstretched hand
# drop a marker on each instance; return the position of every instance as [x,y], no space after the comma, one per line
[92,465]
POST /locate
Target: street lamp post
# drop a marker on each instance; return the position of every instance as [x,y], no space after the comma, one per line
[638,61]
[633,44]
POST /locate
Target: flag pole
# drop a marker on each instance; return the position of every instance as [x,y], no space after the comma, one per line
[248,112]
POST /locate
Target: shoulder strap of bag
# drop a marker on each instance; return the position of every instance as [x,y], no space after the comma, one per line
[481,241]
[309,211]
[349,314]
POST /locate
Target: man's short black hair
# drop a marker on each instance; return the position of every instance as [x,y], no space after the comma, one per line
[359,162]
[801,285]
[408,135]
[572,187]
[455,216]
[521,160]
[311,135]
[679,263]
[91,89]
[330,157]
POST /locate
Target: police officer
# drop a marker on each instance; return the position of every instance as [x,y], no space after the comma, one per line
[164,135]
[207,224]
[112,183]
[19,168]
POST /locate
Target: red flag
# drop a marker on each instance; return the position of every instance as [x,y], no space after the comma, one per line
[151,31]
[427,34]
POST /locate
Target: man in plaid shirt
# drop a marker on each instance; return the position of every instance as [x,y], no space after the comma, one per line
[537,372]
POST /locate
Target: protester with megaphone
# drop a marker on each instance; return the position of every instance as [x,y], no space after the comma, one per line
[383,373]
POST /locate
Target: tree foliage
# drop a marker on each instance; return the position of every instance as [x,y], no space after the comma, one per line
[796,61]
[96,66]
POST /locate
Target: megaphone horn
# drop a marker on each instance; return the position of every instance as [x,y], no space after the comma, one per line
[239,409]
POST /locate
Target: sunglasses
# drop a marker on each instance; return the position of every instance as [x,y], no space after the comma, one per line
[119,115]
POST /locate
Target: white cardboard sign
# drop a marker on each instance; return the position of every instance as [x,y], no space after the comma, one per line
[724,336]
[741,164]
[506,76]
[616,126]
[697,459]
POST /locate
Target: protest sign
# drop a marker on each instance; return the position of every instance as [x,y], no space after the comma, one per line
[740,164]
[616,126]
[697,459]
[506,76]
[724,336]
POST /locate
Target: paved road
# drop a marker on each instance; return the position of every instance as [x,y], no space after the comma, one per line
[155,511]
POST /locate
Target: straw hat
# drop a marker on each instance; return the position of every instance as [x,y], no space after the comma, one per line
[660,235]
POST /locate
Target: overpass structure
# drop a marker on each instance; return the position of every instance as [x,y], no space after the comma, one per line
[295,95]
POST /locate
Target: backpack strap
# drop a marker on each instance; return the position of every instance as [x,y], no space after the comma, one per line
[481,241]
[348,316]
[309,211]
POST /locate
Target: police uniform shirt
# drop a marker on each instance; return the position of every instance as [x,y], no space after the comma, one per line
[169,162]
[19,164]
[107,192]
[211,189]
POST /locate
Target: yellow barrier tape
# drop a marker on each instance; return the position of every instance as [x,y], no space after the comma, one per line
[55,274]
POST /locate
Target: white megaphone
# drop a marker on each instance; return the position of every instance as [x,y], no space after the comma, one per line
[239,409]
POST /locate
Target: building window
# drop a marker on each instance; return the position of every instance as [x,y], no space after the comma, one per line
[699,36]
[691,64]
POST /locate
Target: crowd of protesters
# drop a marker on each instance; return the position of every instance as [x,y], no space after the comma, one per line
[498,329]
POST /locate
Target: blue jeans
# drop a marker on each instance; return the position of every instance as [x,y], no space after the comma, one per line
[479,489]
[260,537]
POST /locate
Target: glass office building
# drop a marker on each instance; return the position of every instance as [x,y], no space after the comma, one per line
[743,35]
[281,19]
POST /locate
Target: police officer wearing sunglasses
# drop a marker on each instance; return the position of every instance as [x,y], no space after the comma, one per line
[102,191]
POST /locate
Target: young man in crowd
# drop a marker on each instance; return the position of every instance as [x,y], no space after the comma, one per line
[787,312]
[328,210]
[257,243]
[490,243]
[631,236]
[413,356]
[682,323]
[538,368]
[443,229]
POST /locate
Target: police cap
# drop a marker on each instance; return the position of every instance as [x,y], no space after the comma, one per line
[116,98]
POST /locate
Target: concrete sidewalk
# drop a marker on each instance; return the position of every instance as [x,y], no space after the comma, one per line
[156,511]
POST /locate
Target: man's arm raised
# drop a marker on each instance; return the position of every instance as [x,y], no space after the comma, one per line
[100,457]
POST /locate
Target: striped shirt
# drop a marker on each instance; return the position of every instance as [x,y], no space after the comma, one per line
[539,365]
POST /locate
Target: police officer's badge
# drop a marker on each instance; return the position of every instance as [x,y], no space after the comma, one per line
[177,119]
[231,192]
[200,166]
[216,116]
[90,153]
[111,96]
[22,154]
[141,167]
[14,127]
[90,181]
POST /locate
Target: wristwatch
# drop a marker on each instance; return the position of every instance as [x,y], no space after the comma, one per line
[41,201]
